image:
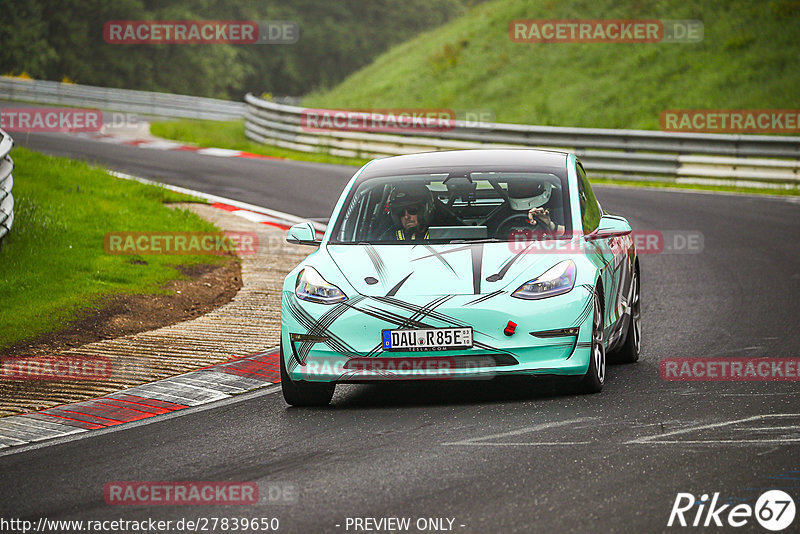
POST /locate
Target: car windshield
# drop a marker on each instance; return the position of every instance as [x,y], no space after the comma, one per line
[459,206]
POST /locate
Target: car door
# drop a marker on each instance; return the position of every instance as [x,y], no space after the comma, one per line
[611,253]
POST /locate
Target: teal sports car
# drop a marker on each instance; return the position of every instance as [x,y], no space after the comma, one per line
[467,264]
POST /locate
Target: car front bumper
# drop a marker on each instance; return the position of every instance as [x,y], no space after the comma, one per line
[342,342]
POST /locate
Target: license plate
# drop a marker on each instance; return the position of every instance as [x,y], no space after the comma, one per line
[427,339]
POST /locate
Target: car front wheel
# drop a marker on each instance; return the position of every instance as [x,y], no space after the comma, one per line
[304,393]
[595,376]
[631,347]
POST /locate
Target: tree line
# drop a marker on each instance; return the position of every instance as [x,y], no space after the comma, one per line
[57,39]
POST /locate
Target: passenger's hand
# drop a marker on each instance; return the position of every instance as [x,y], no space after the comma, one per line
[542,215]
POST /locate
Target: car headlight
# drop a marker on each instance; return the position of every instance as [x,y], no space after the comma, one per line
[311,286]
[557,280]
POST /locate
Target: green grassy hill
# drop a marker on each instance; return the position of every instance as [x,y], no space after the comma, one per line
[748,59]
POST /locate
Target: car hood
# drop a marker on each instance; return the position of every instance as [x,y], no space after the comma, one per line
[428,270]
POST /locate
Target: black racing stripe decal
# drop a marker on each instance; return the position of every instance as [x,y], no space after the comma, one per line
[485,297]
[392,292]
[587,307]
[507,265]
[334,342]
[376,260]
[560,345]
[303,349]
[402,321]
[487,347]
[302,317]
[416,320]
[322,325]
[613,294]
[286,308]
[377,349]
[415,308]
[423,311]
[585,313]
[389,317]
[439,256]
[477,263]
[613,290]
[448,251]
[447,319]
[325,321]
[429,307]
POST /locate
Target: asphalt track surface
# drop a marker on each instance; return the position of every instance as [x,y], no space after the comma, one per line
[494,456]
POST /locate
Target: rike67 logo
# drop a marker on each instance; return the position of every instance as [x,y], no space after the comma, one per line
[774,510]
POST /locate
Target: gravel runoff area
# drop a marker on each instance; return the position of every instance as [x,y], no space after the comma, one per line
[248,324]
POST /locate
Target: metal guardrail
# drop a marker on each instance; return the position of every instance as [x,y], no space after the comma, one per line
[126,100]
[6,183]
[623,153]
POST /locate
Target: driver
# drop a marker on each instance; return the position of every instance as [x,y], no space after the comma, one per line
[532,196]
[411,207]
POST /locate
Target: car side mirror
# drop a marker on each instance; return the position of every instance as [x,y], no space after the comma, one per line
[610,226]
[302,234]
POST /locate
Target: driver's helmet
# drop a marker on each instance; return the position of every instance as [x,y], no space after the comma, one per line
[526,194]
[412,197]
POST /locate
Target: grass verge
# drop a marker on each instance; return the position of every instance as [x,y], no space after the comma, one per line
[471,63]
[53,265]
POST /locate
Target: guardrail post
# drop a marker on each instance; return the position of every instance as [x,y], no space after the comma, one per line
[6,183]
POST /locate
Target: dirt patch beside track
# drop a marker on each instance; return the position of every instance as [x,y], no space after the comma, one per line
[248,323]
[209,287]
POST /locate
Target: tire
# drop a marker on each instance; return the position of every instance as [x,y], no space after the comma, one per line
[304,393]
[595,376]
[631,347]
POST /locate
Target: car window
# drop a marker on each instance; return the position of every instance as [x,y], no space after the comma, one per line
[590,207]
[449,206]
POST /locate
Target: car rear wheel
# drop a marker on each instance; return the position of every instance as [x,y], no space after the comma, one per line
[631,347]
[304,393]
[595,376]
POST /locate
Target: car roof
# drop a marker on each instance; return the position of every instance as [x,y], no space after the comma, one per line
[499,159]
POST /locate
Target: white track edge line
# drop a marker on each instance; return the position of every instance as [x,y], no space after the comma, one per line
[288,217]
